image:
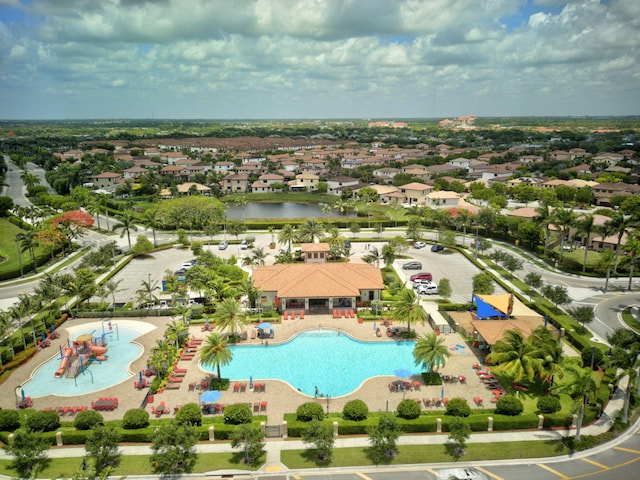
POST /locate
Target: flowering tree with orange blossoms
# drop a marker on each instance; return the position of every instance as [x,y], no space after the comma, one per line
[70,225]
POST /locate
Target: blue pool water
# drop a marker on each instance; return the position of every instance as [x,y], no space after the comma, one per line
[100,375]
[334,362]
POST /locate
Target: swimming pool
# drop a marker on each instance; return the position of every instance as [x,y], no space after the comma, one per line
[122,351]
[330,360]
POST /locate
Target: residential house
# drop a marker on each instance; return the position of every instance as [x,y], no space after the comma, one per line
[306,181]
[235,183]
[386,174]
[107,179]
[442,199]
[134,172]
[189,188]
[260,187]
[415,193]
[338,184]
[223,167]
[388,194]
[604,191]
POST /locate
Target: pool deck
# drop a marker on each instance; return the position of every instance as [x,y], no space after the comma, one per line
[280,397]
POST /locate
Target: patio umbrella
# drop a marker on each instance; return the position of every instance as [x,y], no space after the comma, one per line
[251,381]
[22,393]
[374,326]
[442,392]
[140,376]
[210,396]
[402,372]
[264,326]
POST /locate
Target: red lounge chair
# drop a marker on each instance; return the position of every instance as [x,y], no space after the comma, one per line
[352,314]
[285,315]
[301,314]
[343,314]
[416,385]
[83,408]
[263,406]
[478,401]
[236,388]
[219,408]
[335,313]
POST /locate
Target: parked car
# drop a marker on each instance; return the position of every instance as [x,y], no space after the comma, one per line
[186,266]
[427,289]
[437,248]
[244,245]
[419,244]
[412,266]
[421,276]
[223,245]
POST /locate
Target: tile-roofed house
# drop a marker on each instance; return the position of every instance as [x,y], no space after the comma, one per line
[442,199]
[187,188]
[260,187]
[224,166]
[528,213]
[235,183]
[604,191]
[315,252]
[415,193]
[134,172]
[305,181]
[107,179]
[559,155]
[337,184]
[317,287]
[271,178]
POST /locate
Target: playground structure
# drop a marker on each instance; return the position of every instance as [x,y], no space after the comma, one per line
[77,354]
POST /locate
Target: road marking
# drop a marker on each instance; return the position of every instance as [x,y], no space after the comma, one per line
[555,472]
[629,450]
[363,476]
[599,465]
[486,472]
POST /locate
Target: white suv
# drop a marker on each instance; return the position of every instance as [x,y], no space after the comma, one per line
[244,245]
[428,288]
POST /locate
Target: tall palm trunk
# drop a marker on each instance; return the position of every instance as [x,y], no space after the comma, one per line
[633,261]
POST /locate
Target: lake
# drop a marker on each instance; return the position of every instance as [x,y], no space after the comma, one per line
[278,210]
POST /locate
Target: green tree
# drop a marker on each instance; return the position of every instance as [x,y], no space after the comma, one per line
[586,226]
[383,438]
[430,352]
[533,281]
[310,230]
[514,356]
[354,228]
[408,309]
[214,352]
[29,452]
[229,315]
[127,224]
[320,435]
[583,314]
[444,288]
[619,224]
[150,220]
[102,446]
[173,449]
[483,284]
[287,235]
[460,431]
[28,243]
[142,247]
[236,228]
[581,388]
[633,248]
[556,294]
[250,439]
[388,254]
[145,293]
[606,261]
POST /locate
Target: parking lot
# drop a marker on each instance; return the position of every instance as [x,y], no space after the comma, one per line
[446,264]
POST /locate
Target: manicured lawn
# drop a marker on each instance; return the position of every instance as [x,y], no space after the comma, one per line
[411,454]
[630,320]
[8,249]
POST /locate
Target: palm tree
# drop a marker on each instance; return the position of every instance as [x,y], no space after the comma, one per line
[310,230]
[408,309]
[259,256]
[563,220]
[214,352]
[586,226]
[515,356]
[5,323]
[464,219]
[177,332]
[618,225]
[145,292]
[93,207]
[29,179]
[548,348]
[229,315]
[633,247]
[431,352]
[111,287]
[544,219]
[606,261]
[29,242]
[251,291]
[150,220]
[581,389]
[127,223]
[373,257]
[287,235]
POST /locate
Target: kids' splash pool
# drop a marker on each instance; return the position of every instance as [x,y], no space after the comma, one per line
[98,375]
[330,360]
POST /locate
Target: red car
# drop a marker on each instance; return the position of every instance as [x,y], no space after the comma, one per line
[421,276]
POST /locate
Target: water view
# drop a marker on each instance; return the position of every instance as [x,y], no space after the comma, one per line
[278,210]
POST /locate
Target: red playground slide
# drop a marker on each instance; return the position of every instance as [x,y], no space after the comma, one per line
[64,362]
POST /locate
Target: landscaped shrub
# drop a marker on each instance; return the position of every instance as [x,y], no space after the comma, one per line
[549,404]
[135,418]
[408,409]
[237,414]
[308,411]
[87,420]
[43,421]
[509,405]
[355,410]
[431,378]
[9,420]
[189,414]
[458,407]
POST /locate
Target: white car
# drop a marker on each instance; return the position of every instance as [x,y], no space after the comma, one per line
[419,245]
[244,245]
[429,288]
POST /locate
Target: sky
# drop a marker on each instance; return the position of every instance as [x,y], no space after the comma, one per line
[315,59]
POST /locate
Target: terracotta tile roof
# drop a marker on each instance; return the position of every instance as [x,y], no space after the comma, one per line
[314,247]
[318,280]
[416,186]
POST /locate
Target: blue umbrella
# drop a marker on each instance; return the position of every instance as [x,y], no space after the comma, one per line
[44,337]
[251,381]
[22,393]
[374,326]
[402,373]
[140,376]
[264,326]
[442,392]
[210,396]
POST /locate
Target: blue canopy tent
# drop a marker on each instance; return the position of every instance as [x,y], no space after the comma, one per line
[487,311]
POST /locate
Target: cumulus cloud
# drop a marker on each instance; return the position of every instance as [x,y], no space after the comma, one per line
[393,58]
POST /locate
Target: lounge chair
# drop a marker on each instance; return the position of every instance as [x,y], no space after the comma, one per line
[172,386]
[236,388]
[426,402]
[352,314]
[256,407]
[416,385]
[285,315]
[243,387]
[478,401]
[335,313]
[301,314]
[263,406]
[253,334]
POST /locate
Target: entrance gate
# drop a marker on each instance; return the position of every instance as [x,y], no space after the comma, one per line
[273,431]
